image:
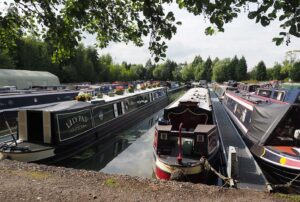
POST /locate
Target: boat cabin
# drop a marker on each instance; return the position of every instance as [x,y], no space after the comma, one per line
[187,123]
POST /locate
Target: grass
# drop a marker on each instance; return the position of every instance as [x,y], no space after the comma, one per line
[111,182]
[289,197]
[38,175]
[34,175]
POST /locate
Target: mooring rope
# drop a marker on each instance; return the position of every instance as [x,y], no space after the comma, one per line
[288,184]
[208,167]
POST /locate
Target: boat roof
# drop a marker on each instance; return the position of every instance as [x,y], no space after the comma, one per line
[74,104]
[264,119]
[195,95]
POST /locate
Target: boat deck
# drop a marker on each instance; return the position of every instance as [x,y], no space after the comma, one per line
[249,173]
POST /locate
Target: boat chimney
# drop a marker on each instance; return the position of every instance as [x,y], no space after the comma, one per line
[179,157]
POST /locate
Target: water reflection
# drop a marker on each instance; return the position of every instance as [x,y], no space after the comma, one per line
[136,159]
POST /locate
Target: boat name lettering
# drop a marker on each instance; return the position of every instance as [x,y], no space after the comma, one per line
[77,119]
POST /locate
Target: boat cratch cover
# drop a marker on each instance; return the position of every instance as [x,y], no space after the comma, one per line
[264,120]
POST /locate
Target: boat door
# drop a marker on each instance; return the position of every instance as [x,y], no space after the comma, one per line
[35,126]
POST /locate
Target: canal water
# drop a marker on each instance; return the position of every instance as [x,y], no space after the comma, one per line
[128,152]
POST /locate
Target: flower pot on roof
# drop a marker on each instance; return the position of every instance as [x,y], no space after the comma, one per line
[131,89]
[119,91]
[143,87]
[83,97]
[99,95]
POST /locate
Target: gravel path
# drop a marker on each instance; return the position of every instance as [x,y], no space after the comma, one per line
[32,182]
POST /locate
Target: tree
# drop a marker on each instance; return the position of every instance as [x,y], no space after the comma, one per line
[231,68]
[62,23]
[187,72]
[276,75]
[6,62]
[208,69]
[149,69]
[261,71]
[241,70]
[219,70]
[164,71]
[295,72]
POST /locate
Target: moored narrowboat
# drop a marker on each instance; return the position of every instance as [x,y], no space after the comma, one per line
[271,128]
[51,132]
[185,138]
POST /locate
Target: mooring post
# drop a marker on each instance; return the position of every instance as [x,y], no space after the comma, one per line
[232,165]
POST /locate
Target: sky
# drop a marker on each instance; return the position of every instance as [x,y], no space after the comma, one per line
[242,37]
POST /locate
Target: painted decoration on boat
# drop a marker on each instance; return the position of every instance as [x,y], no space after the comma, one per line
[73,124]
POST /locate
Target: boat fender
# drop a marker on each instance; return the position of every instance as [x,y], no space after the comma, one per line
[2,156]
[178,175]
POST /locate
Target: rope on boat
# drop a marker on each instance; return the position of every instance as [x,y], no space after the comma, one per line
[179,175]
[206,165]
[288,184]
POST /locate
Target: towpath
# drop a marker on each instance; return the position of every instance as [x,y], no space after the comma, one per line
[32,182]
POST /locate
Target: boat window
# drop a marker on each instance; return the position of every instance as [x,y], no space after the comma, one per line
[136,102]
[235,107]
[102,114]
[247,120]
[283,134]
[164,136]
[239,109]
[231,104]
[265,93]
[278,95]
[200,138]
[158,94]
[243,115]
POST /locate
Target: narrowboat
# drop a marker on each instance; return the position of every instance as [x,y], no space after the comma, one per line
[270,125]
[184,137]
[221,89]
[51,132]
[11,100]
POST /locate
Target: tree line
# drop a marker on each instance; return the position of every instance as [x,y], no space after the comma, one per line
[87,65]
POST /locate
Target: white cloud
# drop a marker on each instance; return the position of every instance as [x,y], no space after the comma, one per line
[241,37]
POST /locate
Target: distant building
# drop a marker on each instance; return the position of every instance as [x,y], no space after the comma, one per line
[25,79]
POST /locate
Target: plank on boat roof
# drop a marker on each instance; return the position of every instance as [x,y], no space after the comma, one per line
[250,174]
[164,127]
[204,128]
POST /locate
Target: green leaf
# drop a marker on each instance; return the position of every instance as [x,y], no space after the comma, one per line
[278,41]
[209,31]
[264,21]
[252,15]
[282,17]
